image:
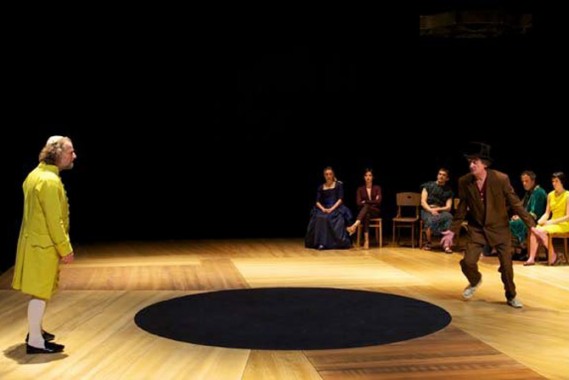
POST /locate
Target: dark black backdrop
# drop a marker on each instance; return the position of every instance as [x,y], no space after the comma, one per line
[221,129]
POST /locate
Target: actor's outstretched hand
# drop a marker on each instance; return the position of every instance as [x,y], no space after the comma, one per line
[447,239]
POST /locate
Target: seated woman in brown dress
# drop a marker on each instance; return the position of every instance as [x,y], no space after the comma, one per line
[368,199]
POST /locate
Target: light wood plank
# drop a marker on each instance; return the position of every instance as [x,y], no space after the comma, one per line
[345,272]
[269,365]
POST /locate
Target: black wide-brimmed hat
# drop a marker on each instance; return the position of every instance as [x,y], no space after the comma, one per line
[478,150]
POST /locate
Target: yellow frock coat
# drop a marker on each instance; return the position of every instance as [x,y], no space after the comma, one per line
[44,235]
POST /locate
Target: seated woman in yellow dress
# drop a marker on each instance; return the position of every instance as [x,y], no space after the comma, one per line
[558,208]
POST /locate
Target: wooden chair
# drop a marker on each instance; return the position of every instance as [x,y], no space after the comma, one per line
[376,224]
[565,237]
[407,204]
[423,232]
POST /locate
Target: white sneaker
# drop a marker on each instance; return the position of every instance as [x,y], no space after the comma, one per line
[514,302]
[470,290]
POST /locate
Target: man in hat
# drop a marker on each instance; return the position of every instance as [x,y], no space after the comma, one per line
[484,195]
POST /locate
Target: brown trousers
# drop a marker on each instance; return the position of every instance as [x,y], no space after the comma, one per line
[365,214]
[469,265]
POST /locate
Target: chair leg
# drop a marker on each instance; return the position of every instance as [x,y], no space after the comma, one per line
[566,252]
[381,236]
[420,234]
[358,233]
[549,246]
[376,229]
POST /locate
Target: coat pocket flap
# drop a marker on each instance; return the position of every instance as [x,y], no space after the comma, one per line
[43,241]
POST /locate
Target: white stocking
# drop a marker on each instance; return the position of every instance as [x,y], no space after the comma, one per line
[36,309]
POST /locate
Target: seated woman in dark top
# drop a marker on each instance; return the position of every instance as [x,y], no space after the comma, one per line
[329,217]
[368,199]
[436,200]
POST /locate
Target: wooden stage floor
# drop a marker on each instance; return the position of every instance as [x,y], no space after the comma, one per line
[108,284]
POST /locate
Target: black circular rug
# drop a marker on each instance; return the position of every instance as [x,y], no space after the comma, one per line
[292,318]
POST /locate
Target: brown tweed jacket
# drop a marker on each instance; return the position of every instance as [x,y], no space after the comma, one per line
[488,223]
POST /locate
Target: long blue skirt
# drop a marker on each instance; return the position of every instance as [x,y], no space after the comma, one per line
[328,231]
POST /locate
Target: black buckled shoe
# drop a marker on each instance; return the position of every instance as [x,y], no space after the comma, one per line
[50,348]
[46,336]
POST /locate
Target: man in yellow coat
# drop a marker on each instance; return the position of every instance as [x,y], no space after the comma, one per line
[44,238]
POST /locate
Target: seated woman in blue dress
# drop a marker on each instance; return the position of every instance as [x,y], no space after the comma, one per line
[329,217]
[436,202]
